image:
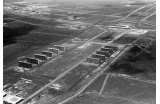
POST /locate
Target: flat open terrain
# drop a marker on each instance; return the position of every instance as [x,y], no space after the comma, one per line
[139,62]
[119,90]
[96,86]
[127,88]
[125,40]
[55,67]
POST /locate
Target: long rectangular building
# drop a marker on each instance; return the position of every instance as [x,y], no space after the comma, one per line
[102,57]
[94,61]
[48,53]
[33,60]
[107,54]
[61,48]
[54,50]
[111,47]
[24,64]
[110,51]
[41,57]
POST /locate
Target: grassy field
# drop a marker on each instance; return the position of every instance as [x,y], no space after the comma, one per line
[9,15]
[59,65]
[107,36]
[15,29]
[40,39]
[124,14]
[34,21]
[55,30]
[40,22]
[119,90]
[97,85]
[93,19]
[146,8]
[98,99]
[137,63]
[127,88]
[107,23]
[111,18]
[22,38]
[13,51]
[77,75]
[152,18]
[114,10]
[6,20]
[125,40]
[90,33]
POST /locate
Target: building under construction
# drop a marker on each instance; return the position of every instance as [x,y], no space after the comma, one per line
[54,50]
[107,54]
[96,61]
[48,53]
[24,64]
[33,60]
[41,57]
[102,57]
[61,48]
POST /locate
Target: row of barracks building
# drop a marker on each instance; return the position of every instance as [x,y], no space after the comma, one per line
[39,58]
[101,55]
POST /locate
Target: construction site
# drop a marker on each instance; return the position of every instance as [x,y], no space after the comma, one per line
[111,47]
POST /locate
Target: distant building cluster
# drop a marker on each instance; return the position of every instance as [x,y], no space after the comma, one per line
[39,58]
[29,9]
[18,92]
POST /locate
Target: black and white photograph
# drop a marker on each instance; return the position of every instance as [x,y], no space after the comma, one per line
[79,52]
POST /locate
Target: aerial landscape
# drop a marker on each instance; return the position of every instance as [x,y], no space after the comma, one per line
[79,52]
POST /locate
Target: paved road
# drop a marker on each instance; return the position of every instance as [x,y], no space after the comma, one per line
[137,10]
[150,9]
[121,19]
[147,17]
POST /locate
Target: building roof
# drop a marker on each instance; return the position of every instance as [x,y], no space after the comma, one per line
[40,55]
[56,86]
[12,99]
[47,51]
